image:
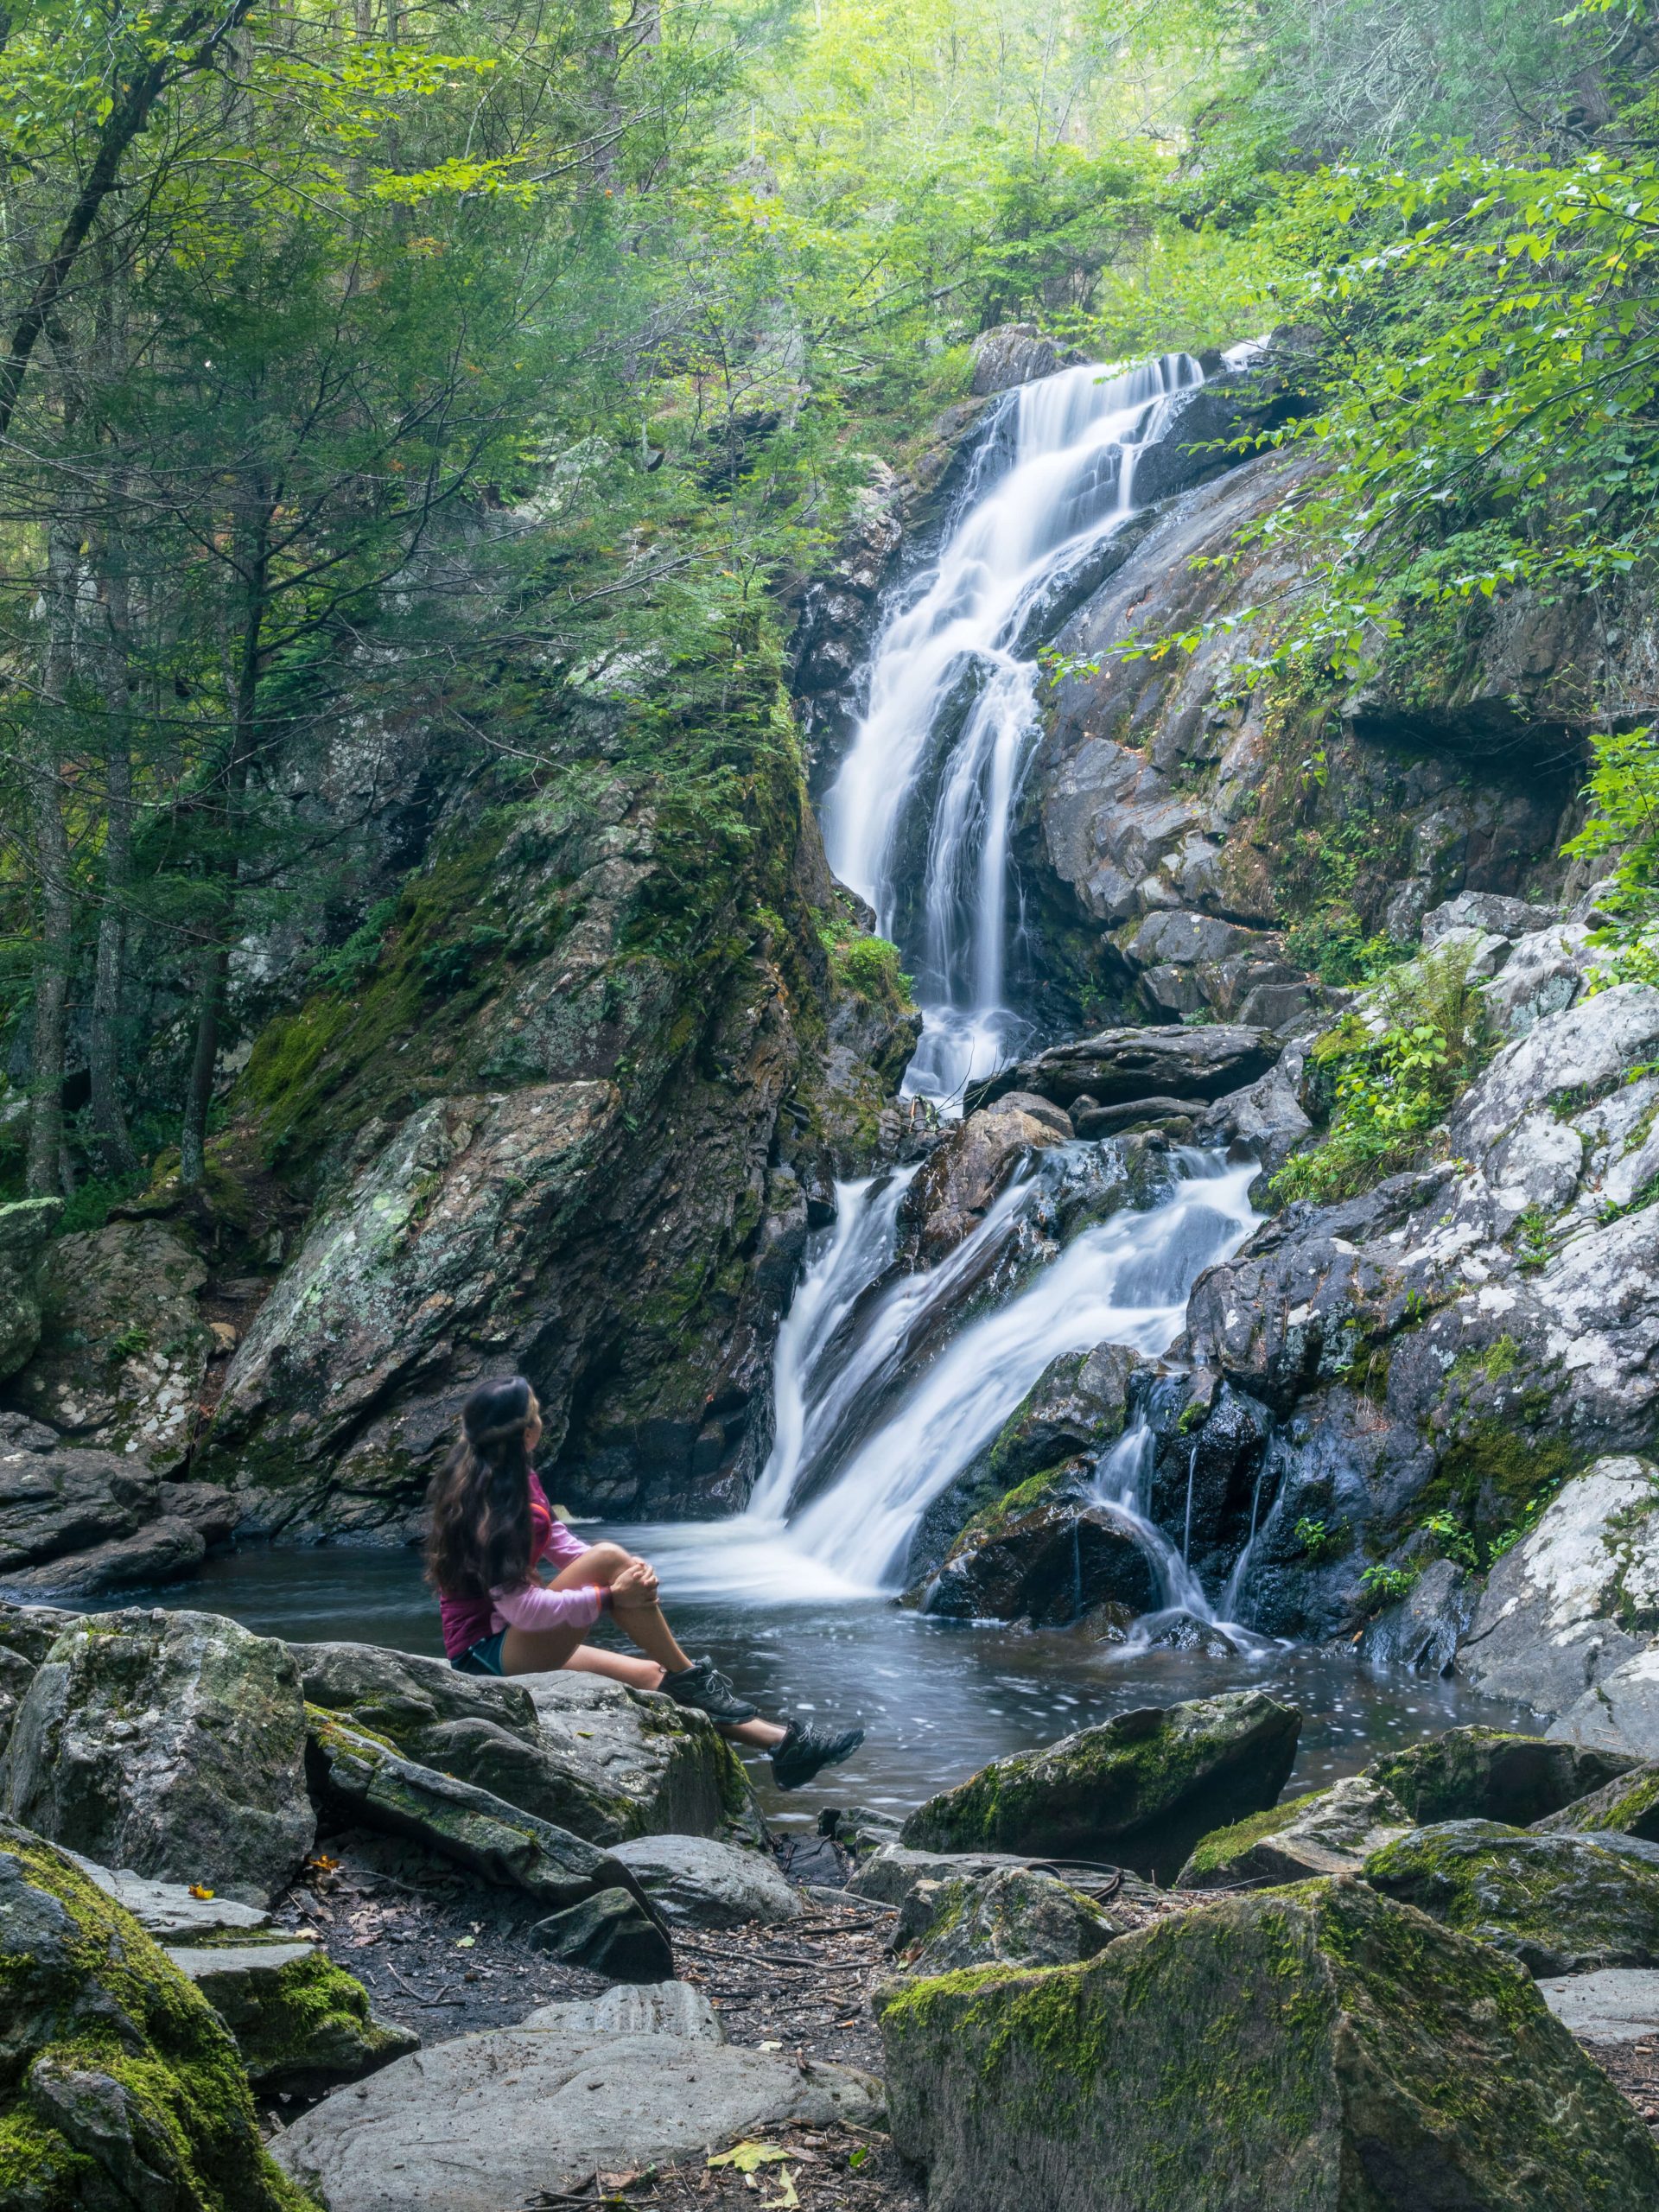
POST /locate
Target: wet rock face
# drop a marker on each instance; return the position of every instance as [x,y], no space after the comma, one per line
[1140,1789]
[963,1176]
[124,1347]
[1464,1340]
[1122,1066]
[1371,2058]
[1556,1903]
[169,1743]
[1049,1560]
[123,2088]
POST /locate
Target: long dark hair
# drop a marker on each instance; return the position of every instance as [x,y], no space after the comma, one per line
[479,1532]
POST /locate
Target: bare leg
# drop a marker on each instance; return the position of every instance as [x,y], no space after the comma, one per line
[642,1624]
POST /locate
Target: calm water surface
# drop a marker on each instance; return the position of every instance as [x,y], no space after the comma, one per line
[937,1699]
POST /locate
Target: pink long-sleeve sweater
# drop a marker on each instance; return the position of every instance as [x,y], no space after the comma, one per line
[467,1621]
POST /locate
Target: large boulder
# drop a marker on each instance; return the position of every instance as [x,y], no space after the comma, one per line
[57,1500]
[962,1176]
[695,1882]
[123,2090]
[1491,1774]
[1320,2048]
[1621,1714]
[363,1781]
[25,1230]
[1576,1597]
[591,1755]
[124,1345]
[1627,1806]
[1331,1831]
[302,2024]
[1047,1555]
[636,2078]
[1558,1904]
[1014,354]
[171,1744]
[1141,1788]
[1121,1066]
[1017,1916]
[1421,1629]
[175,1912]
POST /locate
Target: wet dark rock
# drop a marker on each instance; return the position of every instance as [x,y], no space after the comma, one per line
[165,1550]
[964,1175]
[1049,1559]
[1141,1788]
[1183,1631]
[1121,1066]
[611,1934]
[1110,1120]
[1371,2058]
[1014,354]
[1208,1487]
[170,1743]
[59,1499]
[1556,1903]
[1422,1631]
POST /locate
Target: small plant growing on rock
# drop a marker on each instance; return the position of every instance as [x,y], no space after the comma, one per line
[1320,1540]
[1385,1585]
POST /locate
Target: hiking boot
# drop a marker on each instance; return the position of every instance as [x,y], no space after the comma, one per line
[804,1750]
[702,1686]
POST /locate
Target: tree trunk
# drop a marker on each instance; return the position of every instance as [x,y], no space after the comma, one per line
[42,1171]
[114,1146]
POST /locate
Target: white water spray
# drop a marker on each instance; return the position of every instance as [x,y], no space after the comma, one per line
[958,651]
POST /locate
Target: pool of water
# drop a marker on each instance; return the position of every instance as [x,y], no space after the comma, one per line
[937,1699]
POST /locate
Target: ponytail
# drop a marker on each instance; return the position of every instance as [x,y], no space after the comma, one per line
[479,1532]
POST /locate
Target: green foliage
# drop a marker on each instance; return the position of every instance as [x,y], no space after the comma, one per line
[1320,1540]
[1393,1085]
[1385,1585]
[1624,826]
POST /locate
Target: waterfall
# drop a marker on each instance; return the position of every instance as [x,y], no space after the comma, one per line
[890,1382]
[1066,449]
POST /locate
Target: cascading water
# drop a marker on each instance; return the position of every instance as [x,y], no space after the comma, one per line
[882,1399]
[1055,480]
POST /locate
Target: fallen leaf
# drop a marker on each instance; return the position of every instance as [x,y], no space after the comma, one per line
[465,1943]
[746,2157]
[858,2157]
[780,2203]
[198,1889]
[769,2046]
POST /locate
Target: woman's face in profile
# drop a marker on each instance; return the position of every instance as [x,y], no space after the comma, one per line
[533,1427]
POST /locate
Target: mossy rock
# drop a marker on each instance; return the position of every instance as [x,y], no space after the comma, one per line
[1628,1806]
[302,2024]
[1142,1788]
[1319,2049]
[122,2089]
[1328,1832]
[1492,1774]
[1016,1916]
[1557,1904]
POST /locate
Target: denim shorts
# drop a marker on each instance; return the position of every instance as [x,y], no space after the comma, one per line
[483,1657]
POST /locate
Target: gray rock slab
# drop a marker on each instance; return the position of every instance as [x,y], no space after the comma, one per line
[207,1962]
[1617,2005]
[889,1876]
[642,2008]
[489,2122]
[695,1882]
[1621,1714]
[166,1910]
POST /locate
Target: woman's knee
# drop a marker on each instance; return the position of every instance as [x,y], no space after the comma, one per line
[607,1560]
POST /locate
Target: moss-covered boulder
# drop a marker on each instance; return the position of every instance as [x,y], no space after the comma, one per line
[1331,1831]
[1319,2049]
[1141,1788]
[1628,1806]
[593,1757]
[1047,1553]
[1492,1774]
[1558,1904]
[172,1744]
[121,2089]
[1017,1916]
[302,2024]
[361,1779]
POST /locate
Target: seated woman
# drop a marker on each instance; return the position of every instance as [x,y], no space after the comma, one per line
[516,1590]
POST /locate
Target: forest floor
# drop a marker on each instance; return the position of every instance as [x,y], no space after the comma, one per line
[447,1955]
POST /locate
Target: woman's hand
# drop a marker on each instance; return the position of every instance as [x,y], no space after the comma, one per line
[635,1587]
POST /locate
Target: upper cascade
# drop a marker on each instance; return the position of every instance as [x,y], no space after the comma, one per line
[918,819]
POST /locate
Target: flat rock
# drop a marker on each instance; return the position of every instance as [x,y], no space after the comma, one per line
[1141,1788]
[367,1782]
[1556,1903]
[1549,1626]
[1617,2005]
[161,1551]
[1621,1713]
[302,2024]
[1330,1831]
[487,2122]
[695,1882]
[169,1743]
[655,2008]
[169,1910]
[1320,2048]
[1121,1066]
[892,1872]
